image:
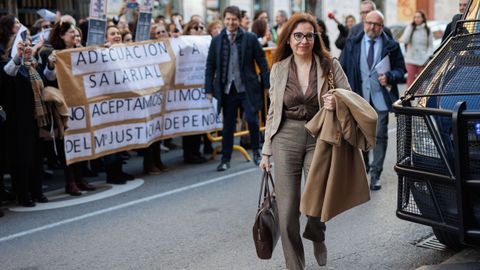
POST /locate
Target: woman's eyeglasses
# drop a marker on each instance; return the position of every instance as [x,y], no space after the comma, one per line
[161,32]
[198,28]
[299,36]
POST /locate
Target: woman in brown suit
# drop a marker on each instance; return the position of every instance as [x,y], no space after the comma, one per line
[299,86]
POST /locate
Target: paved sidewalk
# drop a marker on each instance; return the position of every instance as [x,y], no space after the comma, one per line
[467,259]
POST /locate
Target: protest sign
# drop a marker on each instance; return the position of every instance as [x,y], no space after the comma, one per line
[128,96]
[97,22]
[191,52]
[98,9]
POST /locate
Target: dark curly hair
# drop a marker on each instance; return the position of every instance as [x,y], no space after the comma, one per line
[6,25]
[58,30]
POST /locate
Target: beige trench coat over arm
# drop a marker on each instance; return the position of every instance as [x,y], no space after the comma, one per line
[337,180]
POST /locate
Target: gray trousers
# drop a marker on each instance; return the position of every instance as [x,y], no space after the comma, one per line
[292,149]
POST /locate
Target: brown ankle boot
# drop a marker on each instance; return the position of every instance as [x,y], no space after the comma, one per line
[157,159]
[84,185]
[148,164]
[72,189]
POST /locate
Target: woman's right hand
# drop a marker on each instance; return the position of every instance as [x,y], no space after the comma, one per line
[20,49]
[52,58]
[265,163]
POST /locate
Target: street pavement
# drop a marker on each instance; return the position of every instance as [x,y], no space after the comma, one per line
[194,217]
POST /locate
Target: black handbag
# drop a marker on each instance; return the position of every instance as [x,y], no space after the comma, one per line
[3,115]
[265,229]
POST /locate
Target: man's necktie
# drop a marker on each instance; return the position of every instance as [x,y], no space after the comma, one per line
[371,53]
[232,37]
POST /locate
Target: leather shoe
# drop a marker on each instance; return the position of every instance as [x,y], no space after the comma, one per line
[6,195]
[27,203]
[40,198]
[72,189]
[128,176]
[151,169]
[320,252]
[223,166]
[195,160]
[116,180]
[84,185]
[161,166]
[375,183]
[256,157]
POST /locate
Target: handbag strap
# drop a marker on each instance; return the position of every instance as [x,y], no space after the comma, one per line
[331,80]
[265,188]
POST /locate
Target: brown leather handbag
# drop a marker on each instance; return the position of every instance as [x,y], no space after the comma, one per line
[265,228]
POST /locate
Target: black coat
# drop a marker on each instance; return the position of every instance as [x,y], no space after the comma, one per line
[350,61]
[251,53]
[20,134]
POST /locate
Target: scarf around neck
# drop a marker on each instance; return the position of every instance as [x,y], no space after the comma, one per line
[37,87]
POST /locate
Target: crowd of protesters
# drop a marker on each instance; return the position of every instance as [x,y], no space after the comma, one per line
[31,139]
[31,136]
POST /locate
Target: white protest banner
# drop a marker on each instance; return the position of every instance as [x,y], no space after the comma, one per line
[77,118]
[191,121]
[142,133]
[98,9]
[191,52]
[126,96]
[123,56]
[113,110]
[78,145]
[192,98]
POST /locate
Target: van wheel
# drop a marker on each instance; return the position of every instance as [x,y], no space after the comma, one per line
[449,239]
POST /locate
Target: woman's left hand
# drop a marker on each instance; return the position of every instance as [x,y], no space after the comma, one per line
[329,101]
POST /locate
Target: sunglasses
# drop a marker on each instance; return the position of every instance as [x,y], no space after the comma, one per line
[161,32]
[46,26]
[299,36]
[198,28]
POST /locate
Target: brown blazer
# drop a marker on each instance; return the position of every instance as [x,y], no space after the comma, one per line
[278,81]
[337,180]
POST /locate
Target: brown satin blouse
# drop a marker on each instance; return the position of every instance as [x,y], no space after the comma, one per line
[296,105]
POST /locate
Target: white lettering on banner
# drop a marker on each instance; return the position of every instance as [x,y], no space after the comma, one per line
[113,110]
[122,80]
[114,137]
[104,59]
[77,118]
[191,53]
[78,145]
[181,99]
[190,121]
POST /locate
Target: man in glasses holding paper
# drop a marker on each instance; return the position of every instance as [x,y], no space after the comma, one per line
[374,64]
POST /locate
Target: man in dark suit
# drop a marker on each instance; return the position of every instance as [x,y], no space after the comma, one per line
[365,7]
[462,7]
[360,60]
[231,78]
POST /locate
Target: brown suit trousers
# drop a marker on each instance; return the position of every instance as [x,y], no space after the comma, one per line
[292,149]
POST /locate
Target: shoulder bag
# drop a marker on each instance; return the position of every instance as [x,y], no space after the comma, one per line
[265,228]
